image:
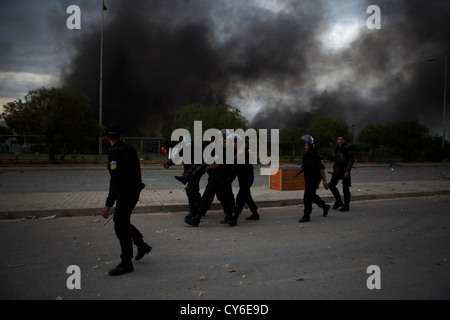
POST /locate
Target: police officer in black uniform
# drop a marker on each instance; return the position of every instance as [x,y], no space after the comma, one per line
[124,189]
[245,175]
[343,163]
[220,179]
[312,166]
[191,180]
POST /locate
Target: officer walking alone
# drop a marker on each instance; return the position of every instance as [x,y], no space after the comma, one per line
[343,163]
[312,166]
[124,189]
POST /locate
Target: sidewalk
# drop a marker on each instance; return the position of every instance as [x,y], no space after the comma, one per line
[47,204]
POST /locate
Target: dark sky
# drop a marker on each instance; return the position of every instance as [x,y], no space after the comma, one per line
[281,62]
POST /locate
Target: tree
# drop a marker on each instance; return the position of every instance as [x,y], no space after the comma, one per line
[373,135]
[5,130]
[219,116]
[293,136]
[325,130]
[62,115]
[410,139]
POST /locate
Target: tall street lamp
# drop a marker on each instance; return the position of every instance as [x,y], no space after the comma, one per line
[100,111]
[445,58]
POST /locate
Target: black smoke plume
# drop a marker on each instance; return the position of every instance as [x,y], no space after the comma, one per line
[159,55]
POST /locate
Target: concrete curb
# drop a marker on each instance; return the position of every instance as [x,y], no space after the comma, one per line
[183,208]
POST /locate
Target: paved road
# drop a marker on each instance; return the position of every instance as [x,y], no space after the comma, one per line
[274,258]
[97,178]
[82,190]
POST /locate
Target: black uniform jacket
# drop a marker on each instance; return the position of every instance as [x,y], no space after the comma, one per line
[312,165]
[244,170]
[343,159]
[125,172]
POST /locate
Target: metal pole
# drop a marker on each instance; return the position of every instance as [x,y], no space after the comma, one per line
[353,134]
[445,102]
[100,111]
[445,58]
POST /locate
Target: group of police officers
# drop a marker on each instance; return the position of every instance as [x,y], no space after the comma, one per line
[126,185]
[220,179]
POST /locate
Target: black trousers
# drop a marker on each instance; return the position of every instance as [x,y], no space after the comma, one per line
[193,194]
[244,196]
[224,192]
[125,231]
[310,196]
[346,183]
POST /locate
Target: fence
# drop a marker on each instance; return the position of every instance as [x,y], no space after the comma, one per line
[37,144]
[22,144]
[147,146]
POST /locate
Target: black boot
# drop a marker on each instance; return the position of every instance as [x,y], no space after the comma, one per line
[305,218]
[254,216]
[233,221]
[122,268]
[195,221]
[190,215]
[337,205]
[325,210]
[227,218]
[142,250]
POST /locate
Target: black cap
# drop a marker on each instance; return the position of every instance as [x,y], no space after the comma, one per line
[113,131]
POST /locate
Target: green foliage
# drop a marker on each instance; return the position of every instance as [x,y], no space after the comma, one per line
[5,130]
[62,115]
[410,139]
[325,130]
[292,136]
[220,116]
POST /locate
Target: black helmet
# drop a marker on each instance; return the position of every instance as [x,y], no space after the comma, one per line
[309,140]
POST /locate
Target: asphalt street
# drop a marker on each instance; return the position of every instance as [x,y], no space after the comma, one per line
[274,258]
[91,178]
